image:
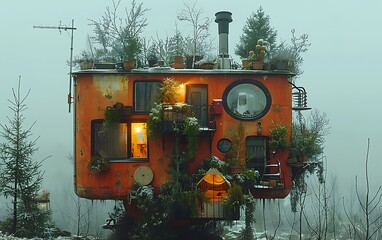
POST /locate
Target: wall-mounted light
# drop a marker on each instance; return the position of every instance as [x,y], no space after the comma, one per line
[259,128]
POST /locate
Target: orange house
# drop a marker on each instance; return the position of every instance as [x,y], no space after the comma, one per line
[256,100]
[233,108]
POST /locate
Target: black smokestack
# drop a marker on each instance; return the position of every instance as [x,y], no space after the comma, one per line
[223,19]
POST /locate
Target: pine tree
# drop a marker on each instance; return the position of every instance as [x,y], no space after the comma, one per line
[21,178]
[257,27]
[176,44]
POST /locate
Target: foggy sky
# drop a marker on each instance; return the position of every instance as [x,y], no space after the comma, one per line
[341,70]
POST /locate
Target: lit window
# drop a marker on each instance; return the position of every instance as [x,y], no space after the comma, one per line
[145,94]
[121,141]
[246,100]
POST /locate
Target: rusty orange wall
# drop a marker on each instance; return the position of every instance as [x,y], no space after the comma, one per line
[94,92]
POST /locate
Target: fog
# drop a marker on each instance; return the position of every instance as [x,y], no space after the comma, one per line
[341,74]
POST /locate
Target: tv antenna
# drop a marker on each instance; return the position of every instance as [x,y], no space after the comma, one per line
[71,29]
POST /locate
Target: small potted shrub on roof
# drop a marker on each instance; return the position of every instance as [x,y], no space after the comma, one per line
[256,58]
[282,58]
[85,61]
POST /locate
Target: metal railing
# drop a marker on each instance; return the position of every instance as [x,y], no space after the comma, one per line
[177,113]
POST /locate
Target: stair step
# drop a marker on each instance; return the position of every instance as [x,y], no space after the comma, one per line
[272,165]
[271,174]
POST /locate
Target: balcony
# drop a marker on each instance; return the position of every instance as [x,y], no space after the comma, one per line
[174,116]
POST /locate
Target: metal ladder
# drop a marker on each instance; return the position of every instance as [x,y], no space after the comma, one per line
[277,174]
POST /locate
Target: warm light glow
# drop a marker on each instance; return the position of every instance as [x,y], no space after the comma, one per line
[181,91]
[137,129]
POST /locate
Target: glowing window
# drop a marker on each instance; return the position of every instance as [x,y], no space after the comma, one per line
[246,100]
[121,141]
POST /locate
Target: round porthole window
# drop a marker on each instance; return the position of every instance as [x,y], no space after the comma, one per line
[224,145]
[246,100]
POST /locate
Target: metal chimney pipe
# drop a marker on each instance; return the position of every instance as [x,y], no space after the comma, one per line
[223,19]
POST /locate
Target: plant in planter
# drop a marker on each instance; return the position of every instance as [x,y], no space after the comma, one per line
[152,58]
[256,58]
[304,143]
[168,96]
[85,60]
[308,137]
[131,47]
[112,116]
[98,164]
[177,45]
[282,58]
[233,202]
[250,177]
[234,164]
[278,136]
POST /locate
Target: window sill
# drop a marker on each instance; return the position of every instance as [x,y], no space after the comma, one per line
[129,160]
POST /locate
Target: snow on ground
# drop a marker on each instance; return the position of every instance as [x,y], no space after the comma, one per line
[4,237]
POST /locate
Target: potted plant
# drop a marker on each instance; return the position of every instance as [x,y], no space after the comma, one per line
[130,49]
[250,177]
[98,164]
[282,58]
[278,135]
[305,143]
[234,165]
[113,115]
[233,201]
[256,58]
[85,60]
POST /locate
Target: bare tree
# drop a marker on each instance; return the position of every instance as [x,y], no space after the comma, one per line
[369,207]
[322,216]
[199,43]
[119,37]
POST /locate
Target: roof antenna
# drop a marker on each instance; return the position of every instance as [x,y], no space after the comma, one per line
[65,28]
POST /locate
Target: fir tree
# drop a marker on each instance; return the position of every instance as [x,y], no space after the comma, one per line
[257,27]
[176,44]
[21,178]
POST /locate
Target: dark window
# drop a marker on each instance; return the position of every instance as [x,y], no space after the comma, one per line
[257,152]
[120,141]
[197,98]
[246,100]
[145,94]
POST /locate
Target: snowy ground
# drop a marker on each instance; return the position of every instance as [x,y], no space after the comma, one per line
[3,237]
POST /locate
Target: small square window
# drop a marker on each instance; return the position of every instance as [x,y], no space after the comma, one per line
[146,93]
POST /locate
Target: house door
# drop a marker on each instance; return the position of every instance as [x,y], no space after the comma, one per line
[197,98]
[257,153]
